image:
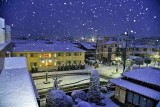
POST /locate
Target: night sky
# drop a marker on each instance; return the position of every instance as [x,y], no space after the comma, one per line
[81,17]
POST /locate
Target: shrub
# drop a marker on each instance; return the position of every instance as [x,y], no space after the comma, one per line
[83,104]
[56,98]
[79,94]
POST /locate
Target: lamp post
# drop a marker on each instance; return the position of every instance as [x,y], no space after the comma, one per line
[125,49]
[46,64]
[118,59]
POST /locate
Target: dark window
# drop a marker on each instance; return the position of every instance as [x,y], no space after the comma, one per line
[23,54]
[76,53]
[142,101]
[145,49]
[137,49]
[150,103]
[68,54]
[136,99]
[60,54]
[129,96]
[33,55]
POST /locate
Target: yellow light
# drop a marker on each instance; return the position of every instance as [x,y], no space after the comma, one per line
[42,61]
[49,55]
[55,63]
[50,60]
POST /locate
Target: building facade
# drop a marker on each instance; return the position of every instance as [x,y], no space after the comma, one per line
[49,56]
[138,88]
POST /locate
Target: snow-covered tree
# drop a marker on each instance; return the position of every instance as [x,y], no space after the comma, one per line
[147,60]
[129,63]
[104,89]
[94,89]
[83,104]
[69,101]
[139,61]
[56,98]
[79,94]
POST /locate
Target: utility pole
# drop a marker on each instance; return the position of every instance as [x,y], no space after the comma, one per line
[125,52]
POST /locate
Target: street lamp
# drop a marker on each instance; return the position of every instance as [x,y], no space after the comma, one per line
[125,49]
[46,64]
[118,59]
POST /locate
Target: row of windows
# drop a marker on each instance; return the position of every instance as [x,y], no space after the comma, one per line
[49,55]
[139,100]
[69,62]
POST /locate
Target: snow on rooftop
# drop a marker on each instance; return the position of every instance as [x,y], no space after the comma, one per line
[15,62]
[110,42]
[137,88]
[87,45]
[43,47]
[15,85]
[148,74]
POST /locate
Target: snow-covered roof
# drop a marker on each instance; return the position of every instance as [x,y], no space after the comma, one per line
[110,42]
[87,45]
[43,47]
[14,63]
[148,75]
[3,45]
[137,88]
[15,86]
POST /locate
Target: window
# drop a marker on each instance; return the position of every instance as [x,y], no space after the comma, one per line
[23,54]
[145,49]
[136,99]
[68,54]
[33,55]
[137,49]
[33,64]
[59,63]
[150,103]
[142,101]
[129,96]
[60,54]
[47,55]
[68,62]
[76,54]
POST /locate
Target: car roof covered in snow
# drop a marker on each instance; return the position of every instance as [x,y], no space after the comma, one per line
[16,89]
[148,74]
[137,88]
[43,47]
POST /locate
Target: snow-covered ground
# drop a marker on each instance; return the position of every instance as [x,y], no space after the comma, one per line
[65,80]
[104,70]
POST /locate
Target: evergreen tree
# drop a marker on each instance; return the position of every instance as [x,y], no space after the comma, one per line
[94,89]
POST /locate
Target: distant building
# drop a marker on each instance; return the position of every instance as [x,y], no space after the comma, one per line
[6,49]
[46,56]
[16,85]
[89,49]
[138,88]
